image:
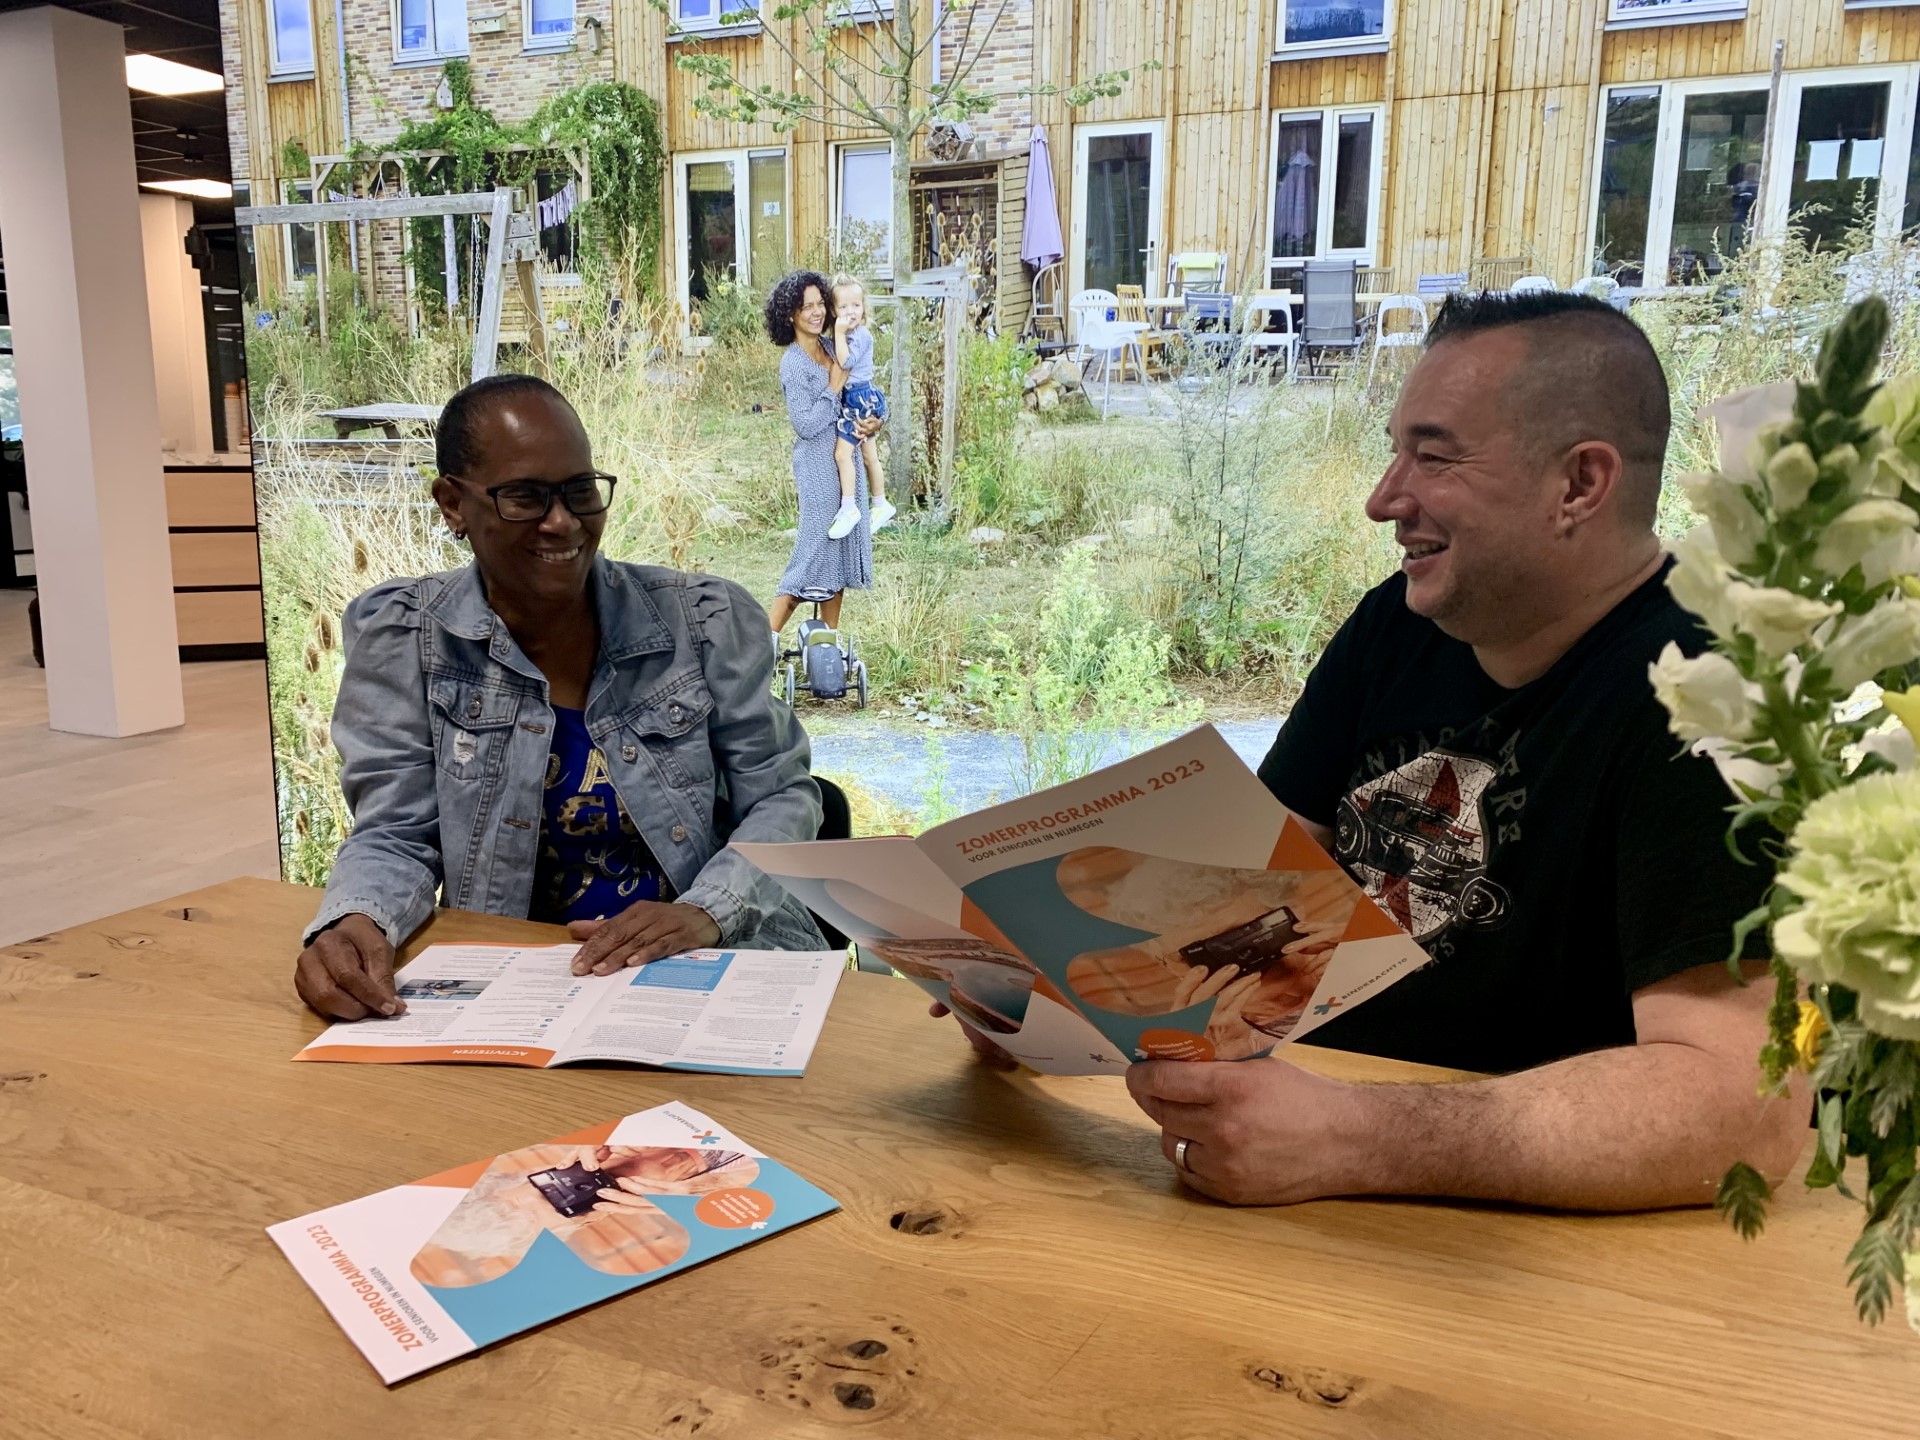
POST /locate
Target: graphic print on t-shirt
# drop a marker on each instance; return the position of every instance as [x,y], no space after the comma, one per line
[593,861]
[1416,839]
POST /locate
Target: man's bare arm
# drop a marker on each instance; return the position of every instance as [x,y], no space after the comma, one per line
[1636,1127]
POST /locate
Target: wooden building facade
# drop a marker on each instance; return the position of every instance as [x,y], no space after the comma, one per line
[1642,137]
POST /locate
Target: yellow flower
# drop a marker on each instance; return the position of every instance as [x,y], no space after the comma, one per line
[1807,1034]
[1904,705]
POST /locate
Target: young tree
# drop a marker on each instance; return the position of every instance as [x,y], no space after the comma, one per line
[858,67]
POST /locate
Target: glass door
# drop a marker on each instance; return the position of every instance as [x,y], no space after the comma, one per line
[1843,156]
[1119,178]
[730,212]
[1722,145]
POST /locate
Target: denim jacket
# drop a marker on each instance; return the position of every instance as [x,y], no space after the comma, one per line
[444,726]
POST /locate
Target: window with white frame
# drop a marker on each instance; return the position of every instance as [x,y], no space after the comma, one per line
[1326,185]
[548,22]
[713,14]
[1339,26]
[863,208]
[289,37]
[428,29]
[1685,180]
[1626,13]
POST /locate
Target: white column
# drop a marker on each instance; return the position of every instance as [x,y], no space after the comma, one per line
[83,353]
[178,325]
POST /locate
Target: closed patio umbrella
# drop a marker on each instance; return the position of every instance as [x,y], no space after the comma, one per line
[1040,243]
[1294,204]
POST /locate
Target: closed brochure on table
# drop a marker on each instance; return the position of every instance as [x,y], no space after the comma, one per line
[425,1273]
[1164,907]
[731,1012]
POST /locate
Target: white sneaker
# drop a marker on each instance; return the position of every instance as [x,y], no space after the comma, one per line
[881,512]
[844,519]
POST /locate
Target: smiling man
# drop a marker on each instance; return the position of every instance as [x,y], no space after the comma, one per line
[1481,749]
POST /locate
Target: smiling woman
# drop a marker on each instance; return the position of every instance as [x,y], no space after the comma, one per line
[552,734]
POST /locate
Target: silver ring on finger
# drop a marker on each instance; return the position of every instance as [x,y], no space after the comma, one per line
[1180,1155]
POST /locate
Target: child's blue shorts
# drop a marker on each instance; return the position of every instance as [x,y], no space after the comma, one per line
[859,402]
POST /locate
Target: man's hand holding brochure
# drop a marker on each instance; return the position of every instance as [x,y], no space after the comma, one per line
[1165,907]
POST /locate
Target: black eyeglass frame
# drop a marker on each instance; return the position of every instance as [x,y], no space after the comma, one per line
[555,490]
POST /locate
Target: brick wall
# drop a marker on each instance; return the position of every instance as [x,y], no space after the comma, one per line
[508,79]
[236,96]
[1005,65]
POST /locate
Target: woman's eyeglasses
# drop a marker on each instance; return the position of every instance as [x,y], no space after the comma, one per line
[523,501]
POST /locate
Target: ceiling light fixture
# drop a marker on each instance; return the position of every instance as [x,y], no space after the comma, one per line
[154,76]
[199,189]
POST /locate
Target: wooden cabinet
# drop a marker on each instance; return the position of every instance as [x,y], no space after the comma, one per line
[216,560]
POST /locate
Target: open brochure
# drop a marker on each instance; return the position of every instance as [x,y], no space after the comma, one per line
[1165,907]
[425,1273]
[734,1012]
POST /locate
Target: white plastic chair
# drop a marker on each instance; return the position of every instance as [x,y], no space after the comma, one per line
[1385,339]
[1599,287]
[1098,332]
[1527,284]
[1258,338]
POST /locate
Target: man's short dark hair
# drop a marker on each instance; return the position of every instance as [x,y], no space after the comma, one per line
[1590,374]
[786,298]
[454,446]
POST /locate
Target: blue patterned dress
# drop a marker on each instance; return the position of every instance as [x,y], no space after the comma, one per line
[847,563]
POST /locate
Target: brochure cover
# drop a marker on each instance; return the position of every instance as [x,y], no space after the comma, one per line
[731,1012]
[425,1273]
[1164,907]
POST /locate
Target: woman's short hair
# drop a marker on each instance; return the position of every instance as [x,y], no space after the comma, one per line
[454,446]
[786,298]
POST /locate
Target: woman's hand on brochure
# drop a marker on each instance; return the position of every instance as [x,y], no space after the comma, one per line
[347,972]
[991,1053]
[1258,1132]
[645,931]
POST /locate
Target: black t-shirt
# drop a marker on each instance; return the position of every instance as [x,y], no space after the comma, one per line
[1553,848]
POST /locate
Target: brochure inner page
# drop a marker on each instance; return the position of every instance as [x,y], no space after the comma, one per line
[889,897]
[746,1011]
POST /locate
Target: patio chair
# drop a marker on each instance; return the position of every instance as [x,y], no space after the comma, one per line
[1495,273]
[1375,280]
[1153,340]
[1098,330]
[1260,337]
[1047,320]
[1330,316]
[1207,326]
[1196,270]
[1531,284]
[1385,337]
[1439,287]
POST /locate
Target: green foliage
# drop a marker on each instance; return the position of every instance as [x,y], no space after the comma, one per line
[294,160]
[617,125]
[1076,684]
[986,469]
[1742,1198]
[731,315]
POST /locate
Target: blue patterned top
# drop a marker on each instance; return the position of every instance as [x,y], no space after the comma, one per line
[593,863]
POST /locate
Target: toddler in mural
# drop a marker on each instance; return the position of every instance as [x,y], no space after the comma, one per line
[860,400]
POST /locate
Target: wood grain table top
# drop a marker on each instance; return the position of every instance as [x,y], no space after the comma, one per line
[1014,1257]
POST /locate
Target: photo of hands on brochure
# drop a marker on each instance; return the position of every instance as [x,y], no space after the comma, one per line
[731,1012]
[1167,907]
[425,1273]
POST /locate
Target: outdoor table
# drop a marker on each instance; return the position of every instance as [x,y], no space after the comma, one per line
[1015,1257]
[387,419]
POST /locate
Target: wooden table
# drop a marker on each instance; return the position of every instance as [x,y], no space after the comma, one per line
[1014,1259]
[386,418]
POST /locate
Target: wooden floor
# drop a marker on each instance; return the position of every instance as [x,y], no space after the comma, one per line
[90,827]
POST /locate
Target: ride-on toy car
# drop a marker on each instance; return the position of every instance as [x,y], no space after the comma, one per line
[822,661]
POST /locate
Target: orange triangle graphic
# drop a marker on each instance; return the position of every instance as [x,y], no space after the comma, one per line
[1296,850]
[1369,923]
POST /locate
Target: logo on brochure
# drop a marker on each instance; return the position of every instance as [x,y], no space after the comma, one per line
[1327,1007]
[707,1137]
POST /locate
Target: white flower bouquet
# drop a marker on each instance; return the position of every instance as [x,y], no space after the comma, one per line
[1804,572]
